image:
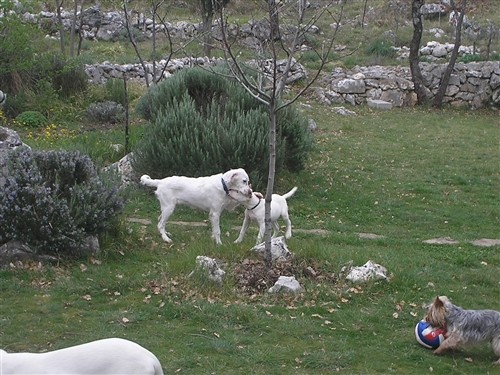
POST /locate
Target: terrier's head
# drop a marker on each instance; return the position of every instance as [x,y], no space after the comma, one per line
[436,312]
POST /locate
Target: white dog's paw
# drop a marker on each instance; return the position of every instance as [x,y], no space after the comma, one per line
[166,238]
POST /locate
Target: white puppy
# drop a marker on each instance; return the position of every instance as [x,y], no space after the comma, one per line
[112,356]
[255,210]
[212,193]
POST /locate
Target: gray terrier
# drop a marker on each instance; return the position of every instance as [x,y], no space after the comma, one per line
[464,327]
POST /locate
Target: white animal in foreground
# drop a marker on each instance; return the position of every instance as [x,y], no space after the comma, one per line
[112,356]
[255,210]
[212,193]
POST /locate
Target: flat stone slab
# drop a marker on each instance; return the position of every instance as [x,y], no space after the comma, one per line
[139,221]
[379,104]
[486,242]
[441,241]
[370,236]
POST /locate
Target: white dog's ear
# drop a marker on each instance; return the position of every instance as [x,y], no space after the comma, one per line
[258,195]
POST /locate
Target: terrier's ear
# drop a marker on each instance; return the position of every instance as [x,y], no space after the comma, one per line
[438,302]
[258,195]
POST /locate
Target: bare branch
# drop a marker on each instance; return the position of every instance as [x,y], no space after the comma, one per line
[134,44]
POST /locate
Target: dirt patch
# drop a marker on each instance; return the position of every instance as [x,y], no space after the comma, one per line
[254,277]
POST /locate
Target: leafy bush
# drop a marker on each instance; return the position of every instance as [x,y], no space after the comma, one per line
[31,119]
[53,200]
[204,124]
[17,49]
[116,90]
[68,76]
[104,112]
[470,58]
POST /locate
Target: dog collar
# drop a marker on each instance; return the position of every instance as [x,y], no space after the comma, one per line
[255,205]
[224,186]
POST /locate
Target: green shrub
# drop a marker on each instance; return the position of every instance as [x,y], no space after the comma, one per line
[68,76]
[17,52]
[53,200]
[115,90]
[381,48]
[204,124]
[31,119]
[470,58]
[106,112]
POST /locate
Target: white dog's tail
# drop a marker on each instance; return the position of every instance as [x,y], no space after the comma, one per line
[148,181]
[290,193]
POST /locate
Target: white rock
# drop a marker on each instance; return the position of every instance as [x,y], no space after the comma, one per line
[286,284]
[210,267]
[368,271]
[279,250]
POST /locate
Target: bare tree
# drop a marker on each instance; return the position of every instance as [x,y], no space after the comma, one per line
[438,98]
[269,81]
[59,5]
[134,43]
[207,9]
[73,28]
[416,73]
[157,17]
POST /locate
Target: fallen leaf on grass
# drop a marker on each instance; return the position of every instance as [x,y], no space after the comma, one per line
[95,261]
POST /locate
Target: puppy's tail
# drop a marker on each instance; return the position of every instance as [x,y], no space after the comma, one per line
[290,193]
[148,181]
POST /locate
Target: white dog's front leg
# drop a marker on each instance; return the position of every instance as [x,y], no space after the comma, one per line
[276,229]
[262,229]
[214,219]
[244,227]
[288,232]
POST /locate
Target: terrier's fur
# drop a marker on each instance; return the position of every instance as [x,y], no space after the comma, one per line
[464,327]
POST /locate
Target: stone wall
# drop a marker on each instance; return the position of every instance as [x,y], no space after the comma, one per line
[474,84]
[100,73]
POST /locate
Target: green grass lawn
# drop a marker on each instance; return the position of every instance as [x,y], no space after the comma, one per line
[408,175]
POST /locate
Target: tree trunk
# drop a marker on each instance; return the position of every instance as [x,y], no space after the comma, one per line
[270,179]
[127,120]
[438,99]
[59,5]
[207,16]
[274,21]
[364,14]
[416,73]
[72,33]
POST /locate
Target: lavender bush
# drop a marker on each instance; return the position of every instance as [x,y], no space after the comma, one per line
[53,200]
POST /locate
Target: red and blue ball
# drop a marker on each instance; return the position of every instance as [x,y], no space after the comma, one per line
[428,336]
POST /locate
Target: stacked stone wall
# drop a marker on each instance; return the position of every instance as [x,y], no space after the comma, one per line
[475,85]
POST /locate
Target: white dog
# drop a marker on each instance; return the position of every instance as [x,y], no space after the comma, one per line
[212,193]
[255,210]
[112,356]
